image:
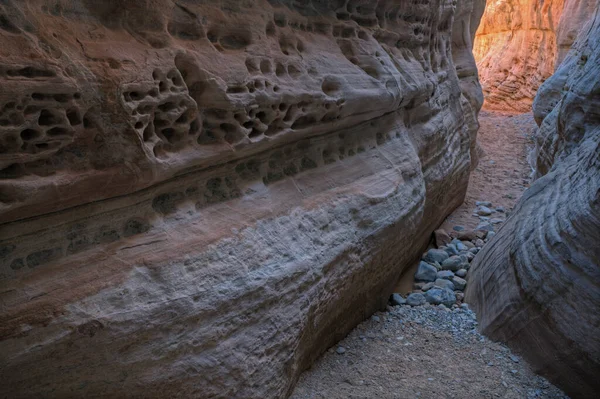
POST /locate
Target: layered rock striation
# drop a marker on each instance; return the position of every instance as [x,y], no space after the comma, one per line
[520,43]
[536,286]
[197,198]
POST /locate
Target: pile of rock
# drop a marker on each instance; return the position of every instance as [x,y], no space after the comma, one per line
[442,274]
[487,217]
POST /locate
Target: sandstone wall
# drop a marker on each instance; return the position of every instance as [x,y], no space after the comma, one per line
[537,283]
[519,45]
[197,198]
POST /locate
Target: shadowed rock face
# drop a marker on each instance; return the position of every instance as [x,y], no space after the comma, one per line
[198,198]
[520,43]
[537,284]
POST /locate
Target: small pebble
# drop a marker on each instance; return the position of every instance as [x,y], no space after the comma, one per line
[484,211]
[443,283]
[468,244]
[425,272]
[441,237]
[451,250]
[436,296]
[485,226]
[427,287]
[340,350]
[397,300]
[435,255]
[445,274]
[415,299]
[459,283]
[453,263]
[461,247]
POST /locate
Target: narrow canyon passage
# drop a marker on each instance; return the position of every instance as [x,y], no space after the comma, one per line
[433,351]
[504,141]
[503,172]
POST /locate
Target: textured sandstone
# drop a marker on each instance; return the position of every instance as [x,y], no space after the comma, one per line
[198,198]
[537,284]
[520,43]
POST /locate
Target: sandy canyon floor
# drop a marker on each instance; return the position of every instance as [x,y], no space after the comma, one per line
[503,172]
[431,351]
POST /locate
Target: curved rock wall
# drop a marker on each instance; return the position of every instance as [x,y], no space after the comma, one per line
[197,198]
[520,43]
[537,284]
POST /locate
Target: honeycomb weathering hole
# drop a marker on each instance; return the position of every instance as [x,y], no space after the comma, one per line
[30,134]
[330,85]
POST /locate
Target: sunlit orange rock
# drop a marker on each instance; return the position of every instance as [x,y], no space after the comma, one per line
[519,44]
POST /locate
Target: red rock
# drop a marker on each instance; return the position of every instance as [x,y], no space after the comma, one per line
[441,237]
[198,198]
[467,235]
[520,43]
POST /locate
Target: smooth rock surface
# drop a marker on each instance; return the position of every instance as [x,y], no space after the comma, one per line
[444,296]
[447,274]
[536,284]
[451,250]
[428,286]
[467,235]
[484,211]
[425,272]
[415,299]
[441,237]
[443,283]
[453,263]
[198,198]
[397,300]
[436,255]
[459,283]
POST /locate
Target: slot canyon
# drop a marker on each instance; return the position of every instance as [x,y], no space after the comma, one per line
[300,198]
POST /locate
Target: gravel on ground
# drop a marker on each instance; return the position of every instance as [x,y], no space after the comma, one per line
[419,350]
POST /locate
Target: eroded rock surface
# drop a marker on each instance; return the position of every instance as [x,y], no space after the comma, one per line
[537,284]
[198,198]
[519,45]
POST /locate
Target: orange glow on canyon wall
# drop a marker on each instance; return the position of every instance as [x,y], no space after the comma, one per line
[520,43]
